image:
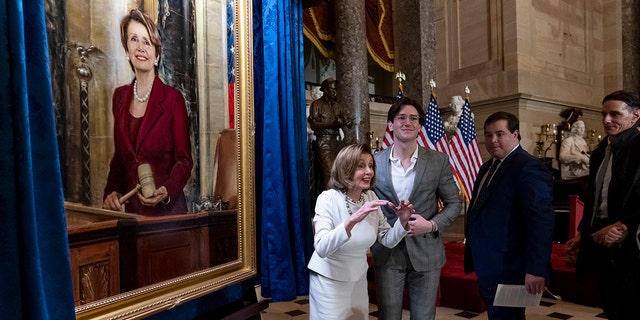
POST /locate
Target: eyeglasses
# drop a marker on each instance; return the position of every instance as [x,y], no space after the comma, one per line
[403,118]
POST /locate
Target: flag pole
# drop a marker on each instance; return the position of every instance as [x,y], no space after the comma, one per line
[466,203]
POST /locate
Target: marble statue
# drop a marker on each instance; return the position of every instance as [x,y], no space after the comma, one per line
[574,153]
[451,124]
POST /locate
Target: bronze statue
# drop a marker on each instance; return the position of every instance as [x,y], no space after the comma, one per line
[326,117]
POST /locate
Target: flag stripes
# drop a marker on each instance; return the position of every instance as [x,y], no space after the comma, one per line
[465,153]
[387,140]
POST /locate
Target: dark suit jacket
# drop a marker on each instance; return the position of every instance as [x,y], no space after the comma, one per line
[163,142]
[433,180]
[623,199]
[509,233]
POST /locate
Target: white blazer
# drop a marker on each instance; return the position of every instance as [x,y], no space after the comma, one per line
[338,256]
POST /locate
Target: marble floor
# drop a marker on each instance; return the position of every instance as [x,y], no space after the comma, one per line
[548,309]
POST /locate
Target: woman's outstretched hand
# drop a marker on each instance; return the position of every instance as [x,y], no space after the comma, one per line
[403,210]
[363,212]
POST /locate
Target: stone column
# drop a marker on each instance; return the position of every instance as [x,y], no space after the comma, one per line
[415,46]
[351,66]
[56,24]
[176,25]
[630,45]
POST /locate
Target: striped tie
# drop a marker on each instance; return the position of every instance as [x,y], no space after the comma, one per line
[492,170]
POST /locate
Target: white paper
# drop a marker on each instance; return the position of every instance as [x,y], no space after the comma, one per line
[511,295]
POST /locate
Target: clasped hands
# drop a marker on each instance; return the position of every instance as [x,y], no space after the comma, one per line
[614,233]
[607,236]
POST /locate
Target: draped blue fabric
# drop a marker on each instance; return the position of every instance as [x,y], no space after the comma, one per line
[35,276]
[281,161]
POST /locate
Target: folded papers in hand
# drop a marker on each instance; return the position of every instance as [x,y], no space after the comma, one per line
[511,295]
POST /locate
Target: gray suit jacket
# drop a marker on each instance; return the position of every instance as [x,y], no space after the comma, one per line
[433,181]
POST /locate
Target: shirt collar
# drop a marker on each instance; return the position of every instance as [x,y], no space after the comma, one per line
[623,138]
[510,152]
[413,156]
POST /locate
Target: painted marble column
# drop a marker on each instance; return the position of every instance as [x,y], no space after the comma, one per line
[176,23]
[415,46]
[631,45]
[55,16]
[351,66]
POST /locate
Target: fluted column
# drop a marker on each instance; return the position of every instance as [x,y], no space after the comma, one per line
[351,66]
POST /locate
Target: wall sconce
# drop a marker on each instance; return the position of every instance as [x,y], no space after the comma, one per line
[546,139]
[593,138]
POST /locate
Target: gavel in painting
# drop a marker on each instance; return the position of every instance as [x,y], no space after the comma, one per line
[146,184]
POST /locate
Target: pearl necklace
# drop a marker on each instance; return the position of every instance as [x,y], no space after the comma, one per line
[135,92]
[349,202]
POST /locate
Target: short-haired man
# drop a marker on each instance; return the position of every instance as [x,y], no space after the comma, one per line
[612,209]
[406,171]
[510,219]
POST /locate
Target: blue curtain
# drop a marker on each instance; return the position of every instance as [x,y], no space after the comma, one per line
[35,276]
[281,149]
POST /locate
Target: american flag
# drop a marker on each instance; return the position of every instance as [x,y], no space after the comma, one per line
[230,67]
[465,154]
[432,134]
[387,141]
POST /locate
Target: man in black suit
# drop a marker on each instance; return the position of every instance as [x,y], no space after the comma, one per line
[510,219]
[612,210]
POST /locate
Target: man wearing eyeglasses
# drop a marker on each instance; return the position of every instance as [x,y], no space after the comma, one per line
[406,171]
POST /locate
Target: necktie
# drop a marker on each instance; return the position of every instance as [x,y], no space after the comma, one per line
[481,193]
[600,180]
[492,170]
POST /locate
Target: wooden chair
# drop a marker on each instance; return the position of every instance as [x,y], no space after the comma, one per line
[225,168]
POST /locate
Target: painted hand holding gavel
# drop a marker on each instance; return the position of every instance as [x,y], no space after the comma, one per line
[145,190]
